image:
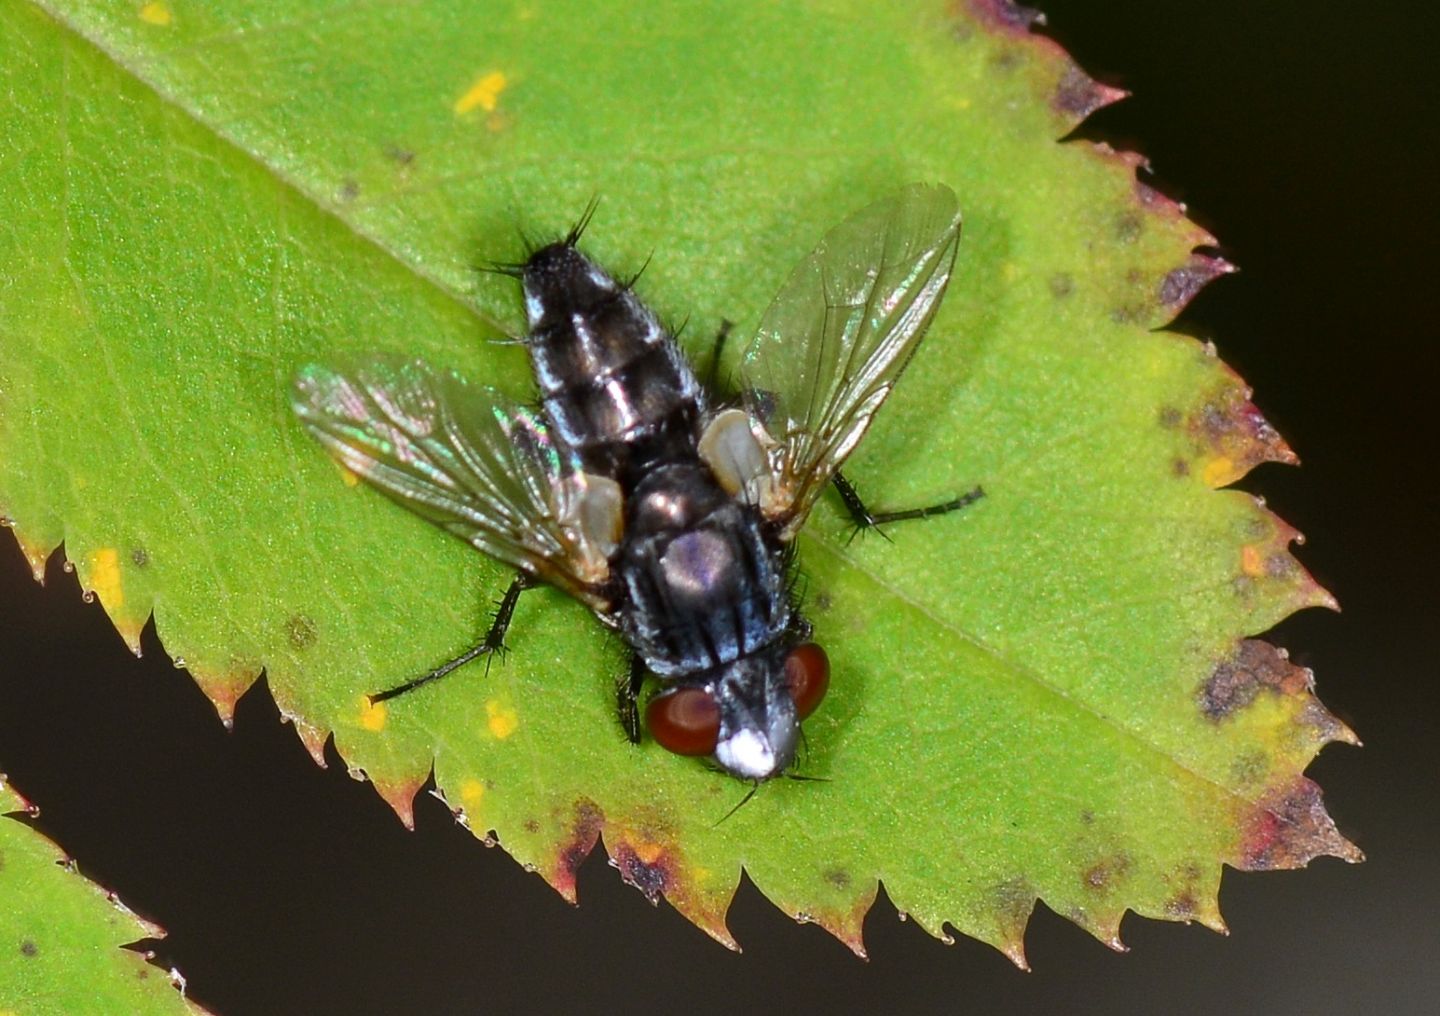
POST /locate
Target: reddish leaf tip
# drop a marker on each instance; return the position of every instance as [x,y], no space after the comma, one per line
[1181,285]
[1078,95]
[1289,828]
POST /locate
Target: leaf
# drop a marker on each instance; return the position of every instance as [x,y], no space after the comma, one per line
[60,951]
[1047,696]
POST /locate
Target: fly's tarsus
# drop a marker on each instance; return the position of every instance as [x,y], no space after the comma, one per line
[492,645]
[865,520]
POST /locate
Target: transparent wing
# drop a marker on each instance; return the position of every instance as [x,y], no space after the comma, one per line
[839,334]
[470,461]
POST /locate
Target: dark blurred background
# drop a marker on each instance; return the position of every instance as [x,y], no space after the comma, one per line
[1304,136]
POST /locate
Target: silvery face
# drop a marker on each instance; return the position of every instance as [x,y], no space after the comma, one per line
[758,727]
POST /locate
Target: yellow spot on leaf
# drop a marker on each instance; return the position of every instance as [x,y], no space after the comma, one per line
[155,13]
[105,577]
[372,715]
[648,852]
[502,719]
[1219,472]
[471,791]
[483,94]
[1250,562]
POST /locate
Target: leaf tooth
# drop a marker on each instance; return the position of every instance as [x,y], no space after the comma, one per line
[1077,95]
[36,553]
[1288,828]
[400,796]
[847,925]
[1256,667]
[586,821]
[1230,436]
[1181,285]
[312,737]
[650,860]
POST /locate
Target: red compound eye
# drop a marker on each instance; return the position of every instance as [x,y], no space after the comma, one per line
[807,673]
[685,721]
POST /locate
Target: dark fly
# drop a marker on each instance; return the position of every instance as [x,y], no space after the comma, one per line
[635,490]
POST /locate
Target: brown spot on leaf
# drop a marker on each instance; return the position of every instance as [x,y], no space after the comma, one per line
[399,155]
[1104,873]
[349,190]
[653,873]
[1062,284]
[1250,768]
[531,826]
[1180,468]
[29,949]
[1180,285]
[139,557]
[1170,417]
[1257,667]
[838,877]
[1181,907]
[1290,827]
[300,631]
[1128,226]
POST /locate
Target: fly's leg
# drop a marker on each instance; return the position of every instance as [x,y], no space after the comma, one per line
[712,374]
[493,642]
[627,694]
[865,519]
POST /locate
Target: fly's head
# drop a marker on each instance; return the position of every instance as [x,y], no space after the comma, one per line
[745,714]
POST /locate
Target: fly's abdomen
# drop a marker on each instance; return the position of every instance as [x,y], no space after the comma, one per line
[614,384]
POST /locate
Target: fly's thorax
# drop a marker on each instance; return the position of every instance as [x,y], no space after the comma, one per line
[612,380]
[703,585]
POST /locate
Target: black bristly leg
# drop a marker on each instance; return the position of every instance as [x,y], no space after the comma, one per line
[627,693]
[716,352]
[865,519]
[492,643]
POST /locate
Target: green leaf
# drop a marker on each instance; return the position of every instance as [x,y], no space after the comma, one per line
[61,936]
[1047,696]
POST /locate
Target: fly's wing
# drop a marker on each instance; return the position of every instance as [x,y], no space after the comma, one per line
[838,335]
[470,461]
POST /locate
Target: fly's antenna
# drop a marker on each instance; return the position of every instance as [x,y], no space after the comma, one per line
[743,802]
[578,230]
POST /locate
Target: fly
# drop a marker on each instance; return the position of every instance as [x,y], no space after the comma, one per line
[639,492]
